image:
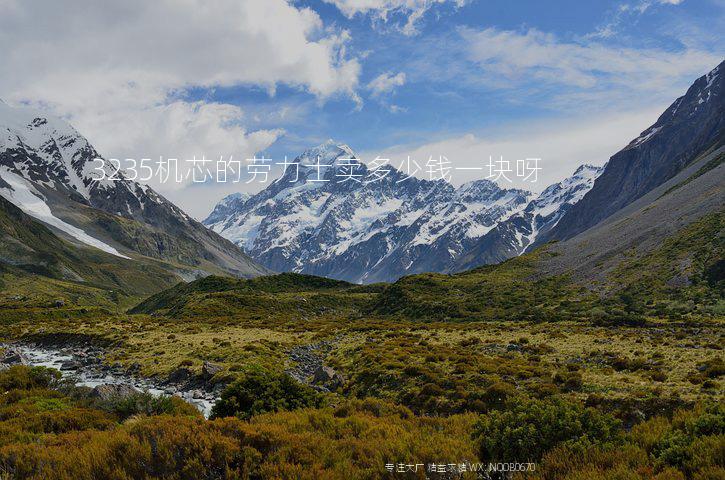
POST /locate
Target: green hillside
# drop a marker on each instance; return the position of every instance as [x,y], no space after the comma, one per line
[682,276]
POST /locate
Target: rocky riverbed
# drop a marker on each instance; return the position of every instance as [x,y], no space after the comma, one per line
[308,366]
[85,365]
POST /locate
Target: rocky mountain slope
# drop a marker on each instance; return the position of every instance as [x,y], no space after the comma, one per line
[691,126]
[628,236]
[381,230]
[50,172]
[39,268]
[515,235]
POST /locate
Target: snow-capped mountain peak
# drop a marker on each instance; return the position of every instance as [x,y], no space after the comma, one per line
[51,172]
[516,234]
[379,231]
[49,151]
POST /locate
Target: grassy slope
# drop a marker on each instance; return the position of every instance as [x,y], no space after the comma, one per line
[286,294]
[37,268]
[683,275]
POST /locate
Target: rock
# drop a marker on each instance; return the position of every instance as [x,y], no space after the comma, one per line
[181,374]
[109,391]
[14,357]
[328,378]
[71,365]
[88,360]
[209,369]
[323,375]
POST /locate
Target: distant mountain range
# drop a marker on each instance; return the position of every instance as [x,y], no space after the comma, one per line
[383,230]
[380,232]
[59,220]
[47,170]
[658,254]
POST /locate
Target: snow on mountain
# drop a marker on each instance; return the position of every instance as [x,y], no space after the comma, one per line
[385,229]
[546,210]
[516,234]
[329,224]
[227,206]
[22,194]
[52,172]
[691,125]
[48,151]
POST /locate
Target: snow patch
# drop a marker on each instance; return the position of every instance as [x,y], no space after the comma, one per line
[23,195]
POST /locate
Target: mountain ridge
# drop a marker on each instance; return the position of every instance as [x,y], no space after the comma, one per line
[52,173]
[394,226]
[692,124]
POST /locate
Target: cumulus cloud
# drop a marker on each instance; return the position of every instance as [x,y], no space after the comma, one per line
[382,10]
[173,44]
[119,70]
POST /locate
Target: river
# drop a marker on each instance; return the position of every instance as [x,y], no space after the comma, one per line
[92,376]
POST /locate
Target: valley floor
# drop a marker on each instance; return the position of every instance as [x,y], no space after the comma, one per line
[403,392]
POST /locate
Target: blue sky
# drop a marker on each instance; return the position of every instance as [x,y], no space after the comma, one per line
[444,93]
[443,97]
[570,82]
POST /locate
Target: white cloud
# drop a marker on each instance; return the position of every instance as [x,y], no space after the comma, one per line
[118,70]
[183,130]
[385,83]
[382,10]
[626,11]
[587,68]
[172,44]
[561,145]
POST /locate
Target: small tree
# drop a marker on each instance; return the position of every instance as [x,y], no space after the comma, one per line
[528,429]
[261,392]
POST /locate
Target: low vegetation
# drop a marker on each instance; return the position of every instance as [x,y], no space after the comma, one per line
[622,379]
[262,392]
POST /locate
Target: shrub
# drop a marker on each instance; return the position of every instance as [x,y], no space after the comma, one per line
[353,441]
[21,377]
[569,381]
[528,429]
[261,392]
[696,440]
[144,403]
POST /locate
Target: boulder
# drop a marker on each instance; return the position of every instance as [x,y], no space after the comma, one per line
[328,378]
[71,365]
[13,356]
[208,370]
[109,391]
[323,375]
[180,375]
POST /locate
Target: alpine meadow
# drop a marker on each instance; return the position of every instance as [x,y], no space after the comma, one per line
[517,273]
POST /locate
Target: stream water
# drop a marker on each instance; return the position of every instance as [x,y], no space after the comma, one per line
[91,376]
